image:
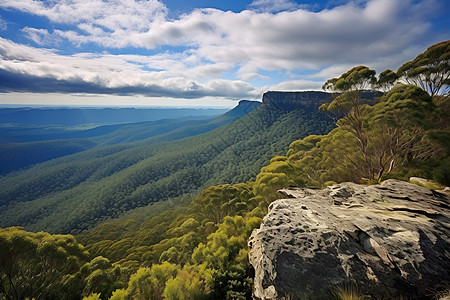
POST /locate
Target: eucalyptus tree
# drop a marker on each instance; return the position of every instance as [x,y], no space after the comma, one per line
[430,70]
[34,265]
[386,80]
[346,108]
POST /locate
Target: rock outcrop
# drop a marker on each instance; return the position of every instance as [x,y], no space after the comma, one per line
[243,108]
[307,100]
[386,240]
[294,100]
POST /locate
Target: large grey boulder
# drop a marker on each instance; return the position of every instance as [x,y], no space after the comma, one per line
[386,240]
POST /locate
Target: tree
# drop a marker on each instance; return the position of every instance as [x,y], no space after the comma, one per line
[101,276]
[397,125]
[430,70]
[386,80]
[119,295]
[356,79]
[188,284]
[149,283]
[386,133]
[34,265]
[346,107]
[219,201]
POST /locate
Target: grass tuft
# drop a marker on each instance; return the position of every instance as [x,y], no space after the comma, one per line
[348,292]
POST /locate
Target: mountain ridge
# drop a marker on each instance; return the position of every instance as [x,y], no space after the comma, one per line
[109,180]
[101,115]
[23,152]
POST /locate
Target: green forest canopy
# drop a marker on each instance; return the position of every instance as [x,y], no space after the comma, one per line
[79,191]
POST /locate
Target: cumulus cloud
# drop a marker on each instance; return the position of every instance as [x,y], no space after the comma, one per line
[111,23]
[111,15]
[348,34]
[205,44]
[41,36]
[290,85]
[27,69]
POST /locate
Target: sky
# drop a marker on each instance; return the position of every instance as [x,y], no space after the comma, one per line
[200,53]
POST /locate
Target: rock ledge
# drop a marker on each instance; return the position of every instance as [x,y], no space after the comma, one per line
[389,239]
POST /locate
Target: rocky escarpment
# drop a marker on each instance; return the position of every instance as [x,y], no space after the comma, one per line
[295,100]
[386,240]
[307,100]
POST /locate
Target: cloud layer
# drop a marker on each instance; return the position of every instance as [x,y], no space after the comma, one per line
[207,52]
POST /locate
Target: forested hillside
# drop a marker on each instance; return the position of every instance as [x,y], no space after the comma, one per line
[75,192]
[23,145]
[200,251]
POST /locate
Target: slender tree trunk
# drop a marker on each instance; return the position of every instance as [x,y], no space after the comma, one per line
[391,165]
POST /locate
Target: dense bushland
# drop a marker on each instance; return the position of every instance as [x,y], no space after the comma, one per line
[76,192]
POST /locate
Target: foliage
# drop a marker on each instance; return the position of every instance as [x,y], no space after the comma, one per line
[149,283]
[396,133]
[34,265]
[430,70]
[347,110]
[119,295]
[386,80]
[348,292]
[233,283]
[356,79]
[187,284]
[382,139]
[24,145]
[429,184]
[15,156]
[76,192]
[94,296]
[97,276]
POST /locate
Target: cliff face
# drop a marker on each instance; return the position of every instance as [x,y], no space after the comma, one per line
[247,106]
[308,100]
[389,239]
[293,100]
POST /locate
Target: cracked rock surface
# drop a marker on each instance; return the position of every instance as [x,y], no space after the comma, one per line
[387,240]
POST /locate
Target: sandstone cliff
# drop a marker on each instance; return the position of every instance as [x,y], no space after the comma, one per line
[307,99]
[389,239]
[294,100]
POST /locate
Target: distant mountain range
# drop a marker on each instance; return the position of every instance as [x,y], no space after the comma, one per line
[134,165]
[77,116]
[24,145]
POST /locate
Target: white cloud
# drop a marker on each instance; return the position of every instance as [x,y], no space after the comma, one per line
[208,43]
[331,71]
[348,34]
[41,36]
[112,14]
[297,85]
[115,74]
[87,100]
[109,23]
[304,37]
[292,85]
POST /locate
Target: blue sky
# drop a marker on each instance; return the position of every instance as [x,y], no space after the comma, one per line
[198,52]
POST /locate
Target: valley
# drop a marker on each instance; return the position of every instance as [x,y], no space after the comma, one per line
[135,165]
